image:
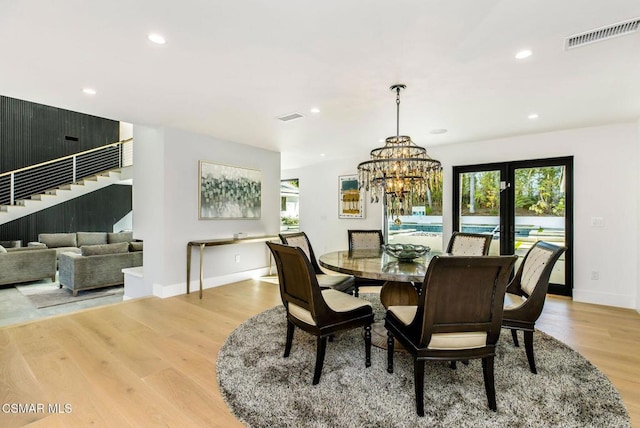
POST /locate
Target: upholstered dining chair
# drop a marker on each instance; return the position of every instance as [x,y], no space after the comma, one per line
[458,317]
[319,312]
[340,282]
[469,244]
[365,240]
[527,292]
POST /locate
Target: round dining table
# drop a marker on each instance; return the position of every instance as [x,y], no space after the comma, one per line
[403,279]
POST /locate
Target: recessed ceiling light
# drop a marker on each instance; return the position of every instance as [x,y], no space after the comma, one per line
[157,38]
[89,91]
[321,154]
[438,131]
[533,116]
[524,54]
[315,110]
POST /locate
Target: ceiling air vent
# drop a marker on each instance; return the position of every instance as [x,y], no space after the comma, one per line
[602,33]
[290,116]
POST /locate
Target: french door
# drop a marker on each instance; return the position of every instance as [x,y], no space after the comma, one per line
[520,203]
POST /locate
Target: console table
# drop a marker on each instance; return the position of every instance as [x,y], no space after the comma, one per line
[214,243]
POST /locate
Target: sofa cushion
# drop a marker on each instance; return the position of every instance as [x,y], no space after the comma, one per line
[98,250]
[53,240]
[113,238]
[135,246]
[91,238]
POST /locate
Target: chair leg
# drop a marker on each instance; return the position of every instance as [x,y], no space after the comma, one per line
[287,346]
[453,364]
[514,334]
[356,290]
[489,386]
[322,345]
[390,343]
[367,345]
[418,379]
[528,346]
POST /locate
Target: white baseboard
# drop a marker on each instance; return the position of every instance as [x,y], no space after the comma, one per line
[181,288]
[607,299]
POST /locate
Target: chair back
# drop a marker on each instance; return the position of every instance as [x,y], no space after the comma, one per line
[301,240]
[532,278]
[365,239]
[469,244]
[463,294]
[299,287]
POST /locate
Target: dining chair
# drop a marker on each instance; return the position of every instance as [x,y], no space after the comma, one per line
[365,240]
[319,312]
[458,317]
[469,244]
[338,281]
[526,294]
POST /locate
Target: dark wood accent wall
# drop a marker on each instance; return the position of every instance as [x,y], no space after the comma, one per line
[95,212]
[31,133]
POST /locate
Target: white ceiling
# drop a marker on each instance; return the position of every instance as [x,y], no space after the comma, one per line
[229,68]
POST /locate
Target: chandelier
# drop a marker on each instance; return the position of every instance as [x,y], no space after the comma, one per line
[400,173]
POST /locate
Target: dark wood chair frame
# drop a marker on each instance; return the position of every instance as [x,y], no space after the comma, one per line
[487,240]
[524,317]
[347,286]
[299,285]
[459,294]
[314,263]
[361,282]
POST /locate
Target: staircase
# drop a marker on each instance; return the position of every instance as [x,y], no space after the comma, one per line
[49,198]
[53,182]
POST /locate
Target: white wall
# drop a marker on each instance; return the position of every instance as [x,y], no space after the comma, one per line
[165,206]
[319,193]
[606,184]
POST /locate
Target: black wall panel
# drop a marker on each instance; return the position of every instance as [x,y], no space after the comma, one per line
[95,212]
[31,133]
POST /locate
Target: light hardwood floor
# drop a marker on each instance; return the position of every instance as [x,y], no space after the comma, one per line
[151,362]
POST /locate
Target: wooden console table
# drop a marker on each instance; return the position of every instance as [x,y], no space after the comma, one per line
[215,243]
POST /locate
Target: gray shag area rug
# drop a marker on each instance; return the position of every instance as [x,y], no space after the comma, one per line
[263,389]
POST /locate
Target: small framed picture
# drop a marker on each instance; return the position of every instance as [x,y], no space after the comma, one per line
[351,199]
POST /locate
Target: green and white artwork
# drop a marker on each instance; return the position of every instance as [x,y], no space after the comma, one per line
[229,192]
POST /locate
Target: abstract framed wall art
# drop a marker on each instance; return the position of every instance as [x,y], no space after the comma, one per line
[229,192]
[351,203]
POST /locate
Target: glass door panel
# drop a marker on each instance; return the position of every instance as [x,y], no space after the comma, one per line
[479,204]
[540,212]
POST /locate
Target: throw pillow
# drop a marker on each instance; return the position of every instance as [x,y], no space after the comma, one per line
[113,238]
[135,246]
[55,240]
[2,249]
[91,238]
[99,250]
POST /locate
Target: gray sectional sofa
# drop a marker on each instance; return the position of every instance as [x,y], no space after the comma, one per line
[72,242]
[26,264]
[98,265]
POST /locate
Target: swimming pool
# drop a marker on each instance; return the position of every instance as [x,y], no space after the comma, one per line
[521,231]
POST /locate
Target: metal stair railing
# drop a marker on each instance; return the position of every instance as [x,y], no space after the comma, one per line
[37,179]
